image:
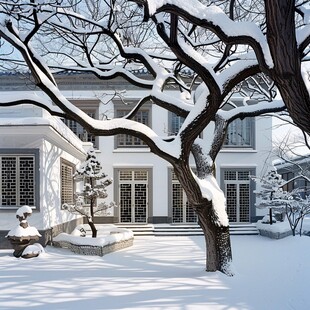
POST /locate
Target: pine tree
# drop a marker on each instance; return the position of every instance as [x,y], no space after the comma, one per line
[270,191]
[95,182]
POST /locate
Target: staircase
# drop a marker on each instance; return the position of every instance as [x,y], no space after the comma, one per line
[184,229]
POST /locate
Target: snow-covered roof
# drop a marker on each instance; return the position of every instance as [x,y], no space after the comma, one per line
[19,116]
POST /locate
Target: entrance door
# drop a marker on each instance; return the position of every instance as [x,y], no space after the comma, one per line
[133,194]
[237,191]
[181,211]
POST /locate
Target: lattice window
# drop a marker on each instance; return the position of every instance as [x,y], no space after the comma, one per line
[140,203]
[237,187]
[124,140]
[231,198]
[243,175]
[244,201]
[17,180]
[140,175]
[67,183]
[133,193]
[125,175]
[125,202]
[177,203]
[80,131]
[191,216]
[230,175]
[181,210]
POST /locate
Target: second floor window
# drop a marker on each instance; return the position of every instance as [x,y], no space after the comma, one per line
[240,133]
[175,123]
[80,131]
[91,108]
[123,140]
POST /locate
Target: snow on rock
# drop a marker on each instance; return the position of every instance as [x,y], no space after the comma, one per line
[23,230]
[107,234]
[19,231]
[34,249]
[22,210]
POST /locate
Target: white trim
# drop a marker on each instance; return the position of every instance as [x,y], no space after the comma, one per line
[132,150]
[130,166]
[239,166]
[241,150]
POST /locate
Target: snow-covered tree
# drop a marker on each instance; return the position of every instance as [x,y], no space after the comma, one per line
[270,189]
[95,182]
[297,207]
[295,203]
[205,50]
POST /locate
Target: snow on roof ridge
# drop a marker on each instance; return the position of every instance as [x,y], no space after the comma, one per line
[74,72]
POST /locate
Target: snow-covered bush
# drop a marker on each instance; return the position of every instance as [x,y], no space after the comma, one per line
[95,183]
[294,204]
[270,190]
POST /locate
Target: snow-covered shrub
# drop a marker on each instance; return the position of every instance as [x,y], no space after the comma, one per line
[295,204]
[95,182]
[270,190]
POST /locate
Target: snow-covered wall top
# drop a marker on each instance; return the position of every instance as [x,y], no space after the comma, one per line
[27,115]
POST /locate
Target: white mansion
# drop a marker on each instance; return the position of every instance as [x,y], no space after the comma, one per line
[38,154]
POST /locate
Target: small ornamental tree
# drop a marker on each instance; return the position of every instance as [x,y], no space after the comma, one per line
[295,203]
[296,208]
[270,190]
[95,183]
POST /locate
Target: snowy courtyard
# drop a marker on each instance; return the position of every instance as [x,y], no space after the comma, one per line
[161,273]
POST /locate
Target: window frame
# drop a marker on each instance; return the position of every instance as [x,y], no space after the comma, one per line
[66,163]
[118,106]
[246,172]
[90,107]
[149,188]
[19,153]
[251,145]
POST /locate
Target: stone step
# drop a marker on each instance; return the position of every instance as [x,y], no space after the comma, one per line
[183,229]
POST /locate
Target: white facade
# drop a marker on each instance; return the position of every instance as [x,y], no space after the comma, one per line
[161,189]
[144,186]
[31,138]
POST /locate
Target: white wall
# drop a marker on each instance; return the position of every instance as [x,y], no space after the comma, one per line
[26,132]
[112,158]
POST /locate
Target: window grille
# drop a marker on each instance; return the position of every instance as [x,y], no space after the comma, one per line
[181,210]
[124,140]
[237,191]
[133,195]
[80,131]
[67,184]
[17,183]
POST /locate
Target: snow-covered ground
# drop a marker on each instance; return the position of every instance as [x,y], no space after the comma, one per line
[161,273]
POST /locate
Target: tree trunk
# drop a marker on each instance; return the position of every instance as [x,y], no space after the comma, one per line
[217,238]
[93,229]
[92,210]
[286,73]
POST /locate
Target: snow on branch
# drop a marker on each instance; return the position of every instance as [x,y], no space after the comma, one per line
[213,18]
[7,99]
